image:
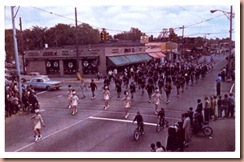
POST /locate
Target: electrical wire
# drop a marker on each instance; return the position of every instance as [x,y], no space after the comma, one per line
[115,30]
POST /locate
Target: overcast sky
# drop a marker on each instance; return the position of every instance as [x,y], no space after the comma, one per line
[116,18]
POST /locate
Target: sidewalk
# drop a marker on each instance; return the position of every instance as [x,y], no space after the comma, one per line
[222,139]
[73,79]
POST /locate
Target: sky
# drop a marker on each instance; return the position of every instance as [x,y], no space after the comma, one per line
[117,18]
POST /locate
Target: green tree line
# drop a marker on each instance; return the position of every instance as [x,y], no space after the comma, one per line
[58,36]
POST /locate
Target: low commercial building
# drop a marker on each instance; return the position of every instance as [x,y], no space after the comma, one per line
[88,59]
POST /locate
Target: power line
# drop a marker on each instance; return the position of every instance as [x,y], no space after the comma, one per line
[206,33]
[116,30]
[190,12]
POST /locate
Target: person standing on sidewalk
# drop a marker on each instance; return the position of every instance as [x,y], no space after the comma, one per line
[225,105]
[33,101]
[187,127]
[220,109]
[218,85]
[160,148]
[207,110]
[93,87]
[37,123]
[215,108]
[231,105]
[199,106]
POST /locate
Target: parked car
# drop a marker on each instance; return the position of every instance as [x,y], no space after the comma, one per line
[43,83]
[31,75]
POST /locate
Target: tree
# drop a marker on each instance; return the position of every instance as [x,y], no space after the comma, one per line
[9,44]
[87,35]
[172,35]
[134,34]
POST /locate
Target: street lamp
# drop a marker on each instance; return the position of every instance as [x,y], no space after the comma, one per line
[229,15]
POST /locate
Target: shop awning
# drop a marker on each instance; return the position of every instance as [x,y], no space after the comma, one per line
[133,58]
[119,60]
[157,54]
[144,56]
[129,59]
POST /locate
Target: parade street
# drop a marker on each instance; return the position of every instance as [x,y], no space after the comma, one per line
[93,129]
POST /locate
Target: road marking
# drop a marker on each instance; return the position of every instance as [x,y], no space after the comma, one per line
[40,92]
[232,87]
[22,148]
[119,120]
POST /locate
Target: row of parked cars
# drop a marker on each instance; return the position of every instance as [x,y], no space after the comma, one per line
[34,79]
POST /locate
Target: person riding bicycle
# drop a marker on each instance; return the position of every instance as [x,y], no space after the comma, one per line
[139,119]
[161,115]
[197,121]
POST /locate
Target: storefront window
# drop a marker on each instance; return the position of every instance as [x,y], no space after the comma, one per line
[52,67]
[90,66]
[70,66]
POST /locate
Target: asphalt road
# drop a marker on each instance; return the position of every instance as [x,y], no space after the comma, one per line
[94,129]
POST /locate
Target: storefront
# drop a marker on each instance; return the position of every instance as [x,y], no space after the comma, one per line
[90,65]
[88,60]
[70,66]
[52,66]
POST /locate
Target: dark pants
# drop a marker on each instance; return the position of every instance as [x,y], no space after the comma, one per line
[140,125]
[218,88]
[220,111]
[207,113]
[231,111]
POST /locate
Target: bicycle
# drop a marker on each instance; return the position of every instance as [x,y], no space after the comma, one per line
[163,123]
[205,129]
[137,133]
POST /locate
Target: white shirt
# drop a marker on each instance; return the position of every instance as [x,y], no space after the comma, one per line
[74,100]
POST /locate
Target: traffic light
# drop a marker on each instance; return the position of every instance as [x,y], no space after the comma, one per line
[102,35]
[106,36]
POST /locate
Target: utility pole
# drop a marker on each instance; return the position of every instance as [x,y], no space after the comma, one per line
[22,45]
[77,46]
[183,41]
[230,43]
[16,52]
[183,31]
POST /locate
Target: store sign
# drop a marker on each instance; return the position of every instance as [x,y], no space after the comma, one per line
[164,47]
[115,50]
[65,53]
[33,54]
[49,53]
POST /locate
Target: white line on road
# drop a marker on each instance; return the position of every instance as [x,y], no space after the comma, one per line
[41,92]
[22,148]
[119,120]
[232,87]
